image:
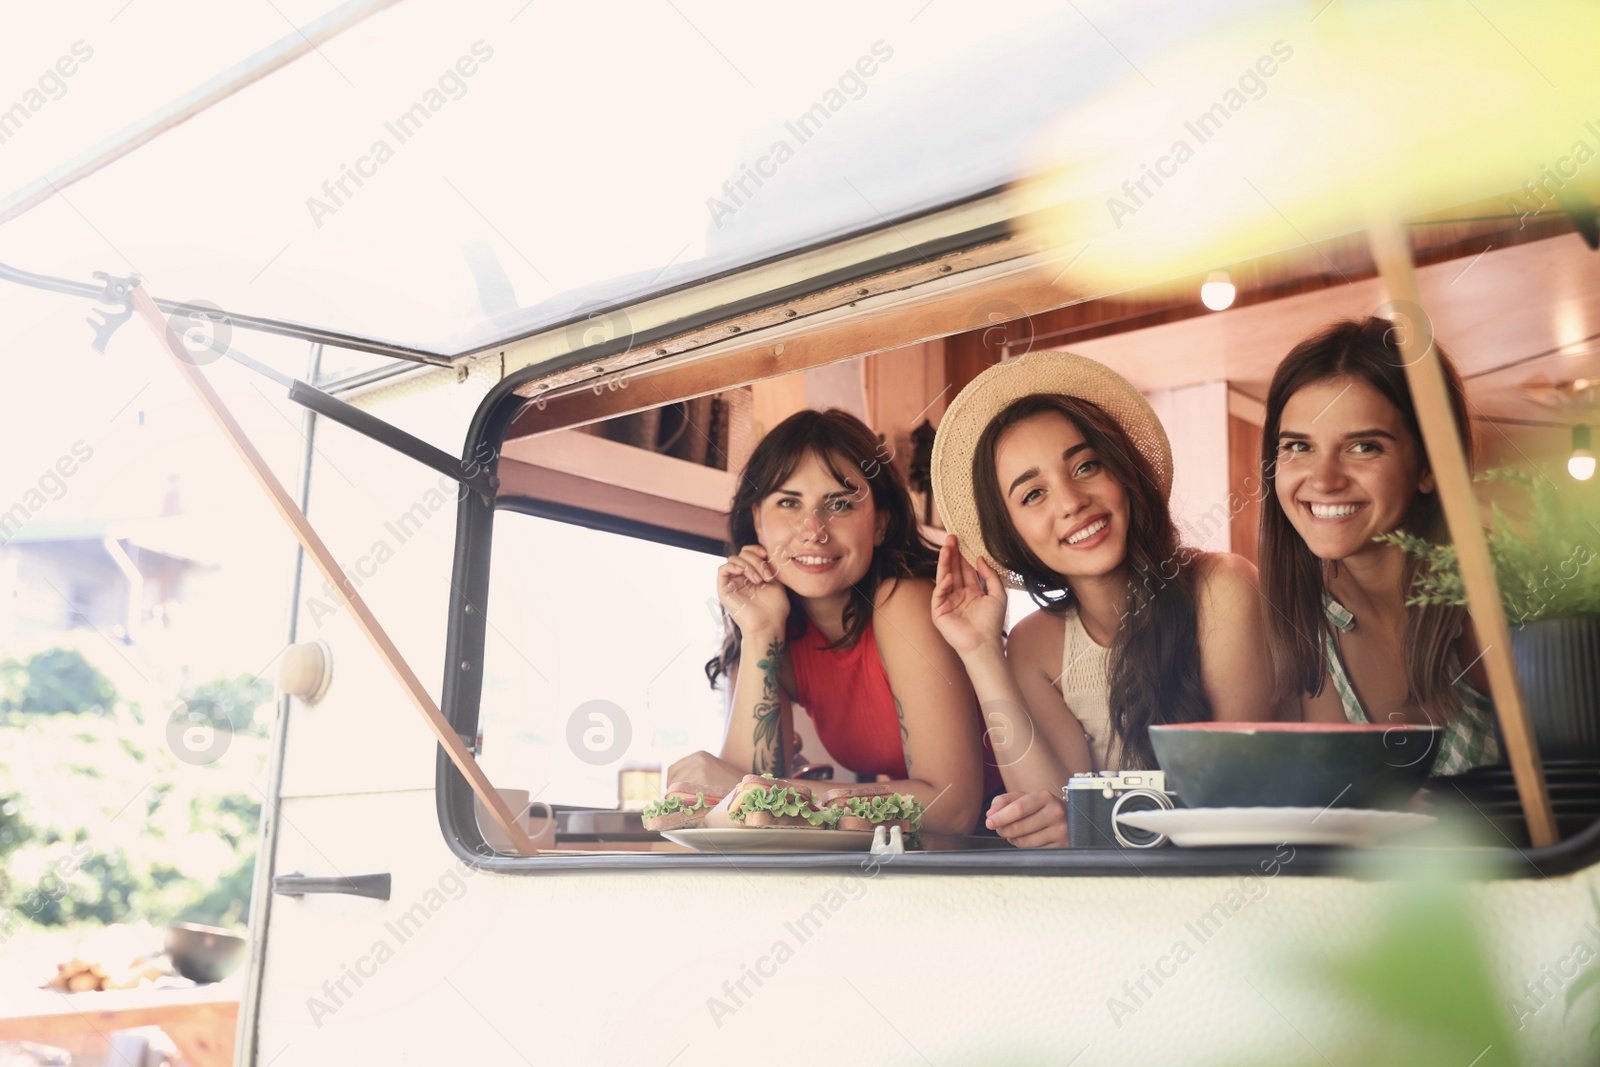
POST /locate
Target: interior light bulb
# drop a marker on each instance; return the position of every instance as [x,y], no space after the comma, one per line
[1581,463]
[1217,293]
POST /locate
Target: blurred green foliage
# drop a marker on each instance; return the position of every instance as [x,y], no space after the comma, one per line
[14,833]
[235,698]
[1416,988]
[1545,564]
[55,680]
[101,823]
[1426,987]
[1579,990]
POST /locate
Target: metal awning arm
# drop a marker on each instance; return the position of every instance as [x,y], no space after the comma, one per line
[473,473]
[108,293]
[469,472]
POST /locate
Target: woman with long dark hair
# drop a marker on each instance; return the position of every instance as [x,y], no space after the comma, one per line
[1344,462]
[1052,474]
[825,598]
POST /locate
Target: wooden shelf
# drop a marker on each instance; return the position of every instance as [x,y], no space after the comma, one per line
[581,470]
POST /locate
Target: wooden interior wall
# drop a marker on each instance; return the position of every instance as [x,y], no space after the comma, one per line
[775,400]
[904,387]
[1539,450]
[1244,480]
[967,355]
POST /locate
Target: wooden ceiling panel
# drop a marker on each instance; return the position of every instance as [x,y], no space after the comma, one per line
[1508,317]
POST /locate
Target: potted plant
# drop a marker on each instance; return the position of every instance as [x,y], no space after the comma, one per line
[1548,567]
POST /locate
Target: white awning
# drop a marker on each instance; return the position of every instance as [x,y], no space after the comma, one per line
[445,177]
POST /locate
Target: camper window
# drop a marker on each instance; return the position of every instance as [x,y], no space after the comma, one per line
[595,637]
[594,659]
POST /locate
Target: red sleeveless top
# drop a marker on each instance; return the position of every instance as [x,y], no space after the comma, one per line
[846,693]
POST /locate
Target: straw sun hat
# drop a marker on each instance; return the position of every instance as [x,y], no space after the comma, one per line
[990,393]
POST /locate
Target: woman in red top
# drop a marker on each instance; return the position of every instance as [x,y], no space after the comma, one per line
[826,604]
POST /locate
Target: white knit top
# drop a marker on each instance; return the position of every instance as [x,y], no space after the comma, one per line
[1086,687]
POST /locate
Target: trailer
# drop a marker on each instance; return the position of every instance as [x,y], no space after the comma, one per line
[511,509]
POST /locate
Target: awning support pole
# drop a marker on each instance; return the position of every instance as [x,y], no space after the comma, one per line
[1439,435]
[343,588]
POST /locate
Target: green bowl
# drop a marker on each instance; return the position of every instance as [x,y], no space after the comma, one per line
[1294,764]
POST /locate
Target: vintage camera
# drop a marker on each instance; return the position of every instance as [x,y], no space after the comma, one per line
[1094,800]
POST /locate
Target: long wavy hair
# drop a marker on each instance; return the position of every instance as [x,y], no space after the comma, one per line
[1155,660]
[1294,580]
[853,455]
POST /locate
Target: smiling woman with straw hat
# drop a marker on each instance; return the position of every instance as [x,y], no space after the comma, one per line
[1052,474]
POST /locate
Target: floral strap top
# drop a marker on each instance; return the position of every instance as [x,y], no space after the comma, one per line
[1469,738]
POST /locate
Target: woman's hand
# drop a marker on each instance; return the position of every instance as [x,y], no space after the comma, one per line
[1030,820]
[749,590]
[969,606]
[702,768]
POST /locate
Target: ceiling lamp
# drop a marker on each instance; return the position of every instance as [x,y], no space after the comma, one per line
[1217,293]
[1581,463]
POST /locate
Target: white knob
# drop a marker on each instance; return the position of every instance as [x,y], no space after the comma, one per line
[306,670]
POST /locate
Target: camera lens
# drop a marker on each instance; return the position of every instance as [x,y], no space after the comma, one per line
[1138,800]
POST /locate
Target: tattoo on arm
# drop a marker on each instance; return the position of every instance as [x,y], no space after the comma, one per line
[905,735]
[769,755]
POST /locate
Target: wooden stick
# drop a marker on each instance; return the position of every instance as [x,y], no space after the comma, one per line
[1449,463]
[343,587]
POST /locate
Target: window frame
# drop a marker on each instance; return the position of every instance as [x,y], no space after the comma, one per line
[462,692]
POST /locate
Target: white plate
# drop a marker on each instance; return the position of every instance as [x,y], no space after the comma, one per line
[1275,826]
[771,839]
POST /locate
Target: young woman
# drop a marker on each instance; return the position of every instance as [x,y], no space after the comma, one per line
[1052,471]
[1344,462]
[826,602]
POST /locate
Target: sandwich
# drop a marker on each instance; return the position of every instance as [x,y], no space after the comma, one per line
[762,801]
[871,804]
[683,806]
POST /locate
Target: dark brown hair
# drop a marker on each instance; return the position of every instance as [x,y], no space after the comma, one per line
[1155,662]
[1293,579]
[853,455]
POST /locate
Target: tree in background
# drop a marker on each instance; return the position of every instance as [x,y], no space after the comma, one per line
[53,681]
[236,699]
[14,833]
[103,819]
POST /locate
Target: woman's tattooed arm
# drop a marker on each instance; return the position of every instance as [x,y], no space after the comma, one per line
[771,756]
[905,737]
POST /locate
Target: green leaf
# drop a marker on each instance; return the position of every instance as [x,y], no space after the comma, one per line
[888,808]
[826,819]
[1584,982]
[1546,560]
[777,800]
[670,805]
[1589,978]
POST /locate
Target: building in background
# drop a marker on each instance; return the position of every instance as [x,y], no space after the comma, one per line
[119,577]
